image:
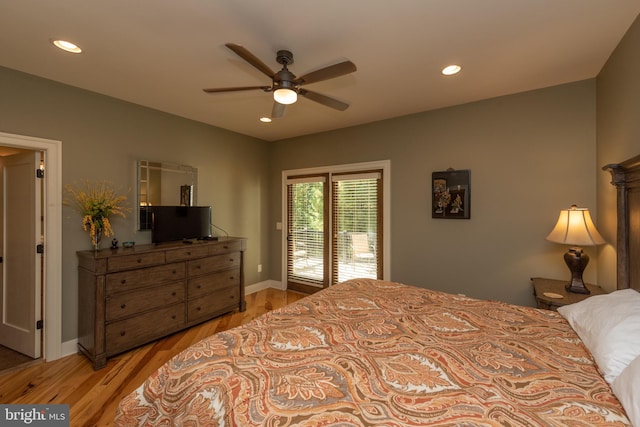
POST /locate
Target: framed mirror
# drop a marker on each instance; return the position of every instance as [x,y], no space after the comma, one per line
[161,183]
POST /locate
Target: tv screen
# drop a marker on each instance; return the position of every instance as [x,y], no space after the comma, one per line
[171,223]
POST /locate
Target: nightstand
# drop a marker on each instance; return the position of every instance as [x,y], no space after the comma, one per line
[542,286]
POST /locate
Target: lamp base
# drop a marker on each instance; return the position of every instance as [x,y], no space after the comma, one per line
[576,261]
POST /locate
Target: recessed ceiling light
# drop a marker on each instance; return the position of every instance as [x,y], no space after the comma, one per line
[66,46]
[451,69]
[265,119]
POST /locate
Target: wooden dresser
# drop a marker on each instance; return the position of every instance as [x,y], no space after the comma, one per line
[130,296]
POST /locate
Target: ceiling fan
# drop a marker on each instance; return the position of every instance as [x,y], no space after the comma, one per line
[285,85]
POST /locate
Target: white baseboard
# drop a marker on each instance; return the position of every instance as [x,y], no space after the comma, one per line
[251,289]
[69,347]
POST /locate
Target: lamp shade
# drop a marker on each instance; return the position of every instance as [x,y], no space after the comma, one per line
[575,227]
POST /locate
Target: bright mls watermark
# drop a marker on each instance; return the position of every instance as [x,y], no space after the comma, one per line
[34,415]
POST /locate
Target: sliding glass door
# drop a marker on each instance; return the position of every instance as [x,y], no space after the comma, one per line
[334,228]
[307,232]
[357,215]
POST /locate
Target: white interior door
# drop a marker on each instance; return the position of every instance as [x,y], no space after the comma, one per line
[21,264]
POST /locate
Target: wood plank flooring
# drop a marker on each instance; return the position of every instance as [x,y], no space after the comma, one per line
[93,396]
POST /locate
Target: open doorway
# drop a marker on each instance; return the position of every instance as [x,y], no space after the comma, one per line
[51,240]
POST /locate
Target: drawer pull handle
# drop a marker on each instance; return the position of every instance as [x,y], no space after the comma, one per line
[230,259]
[173,294]
[123,306]
[189,253]
[123,333]
[139,260]
[199,287]
[226,246]
[173,272]
[198,267]
[198,308]
[231,277]
[173,317]
[123,281]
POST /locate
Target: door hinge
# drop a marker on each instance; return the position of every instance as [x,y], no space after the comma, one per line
[39,324]
[40,249]
[39,173]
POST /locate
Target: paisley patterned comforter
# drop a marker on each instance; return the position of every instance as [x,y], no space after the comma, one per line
[376,353]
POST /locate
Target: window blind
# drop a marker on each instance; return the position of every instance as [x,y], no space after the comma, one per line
[306,249]
[356,225]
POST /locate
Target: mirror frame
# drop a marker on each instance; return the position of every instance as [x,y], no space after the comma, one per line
[148,183]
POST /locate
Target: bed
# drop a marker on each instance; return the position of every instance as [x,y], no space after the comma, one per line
[369,352]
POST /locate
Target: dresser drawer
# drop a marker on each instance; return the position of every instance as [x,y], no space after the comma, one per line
[138,330]
[224,247]
[205,284]
[124,304]
[212,264]
[193,251]
[130,280]
[214,303]
[127,262]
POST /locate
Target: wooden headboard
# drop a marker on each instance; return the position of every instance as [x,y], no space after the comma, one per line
[626,178]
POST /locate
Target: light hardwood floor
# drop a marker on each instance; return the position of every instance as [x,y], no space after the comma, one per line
[93,396]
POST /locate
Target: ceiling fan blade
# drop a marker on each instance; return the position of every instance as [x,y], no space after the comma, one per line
[234,89]
[251,59]
[324,99]
[278,110]
[335,70]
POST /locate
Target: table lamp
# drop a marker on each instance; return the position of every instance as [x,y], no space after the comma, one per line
[576,228]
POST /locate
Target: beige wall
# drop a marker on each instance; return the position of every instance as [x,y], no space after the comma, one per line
[618,135]
[103,137]
[530,155]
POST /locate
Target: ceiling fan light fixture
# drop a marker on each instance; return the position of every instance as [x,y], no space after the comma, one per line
[285,96]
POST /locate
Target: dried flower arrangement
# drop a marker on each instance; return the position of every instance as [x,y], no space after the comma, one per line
[96,202]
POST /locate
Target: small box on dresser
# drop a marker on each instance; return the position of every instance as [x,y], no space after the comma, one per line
[131,296]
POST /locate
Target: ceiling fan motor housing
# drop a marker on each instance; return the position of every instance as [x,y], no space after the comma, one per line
[284,79]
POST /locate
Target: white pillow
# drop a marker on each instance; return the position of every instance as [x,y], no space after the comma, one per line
[627,388]
[609,326]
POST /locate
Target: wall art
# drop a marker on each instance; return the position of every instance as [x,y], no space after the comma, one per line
[451,194]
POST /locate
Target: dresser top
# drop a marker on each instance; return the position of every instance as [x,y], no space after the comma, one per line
[154,247]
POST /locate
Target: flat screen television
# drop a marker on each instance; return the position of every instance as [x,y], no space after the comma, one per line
[173,223]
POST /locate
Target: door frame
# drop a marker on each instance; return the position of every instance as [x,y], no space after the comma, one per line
[52,286]
[385,165]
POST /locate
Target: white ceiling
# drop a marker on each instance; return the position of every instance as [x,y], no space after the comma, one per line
[162,53]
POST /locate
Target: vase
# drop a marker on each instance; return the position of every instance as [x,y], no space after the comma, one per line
[98,238]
